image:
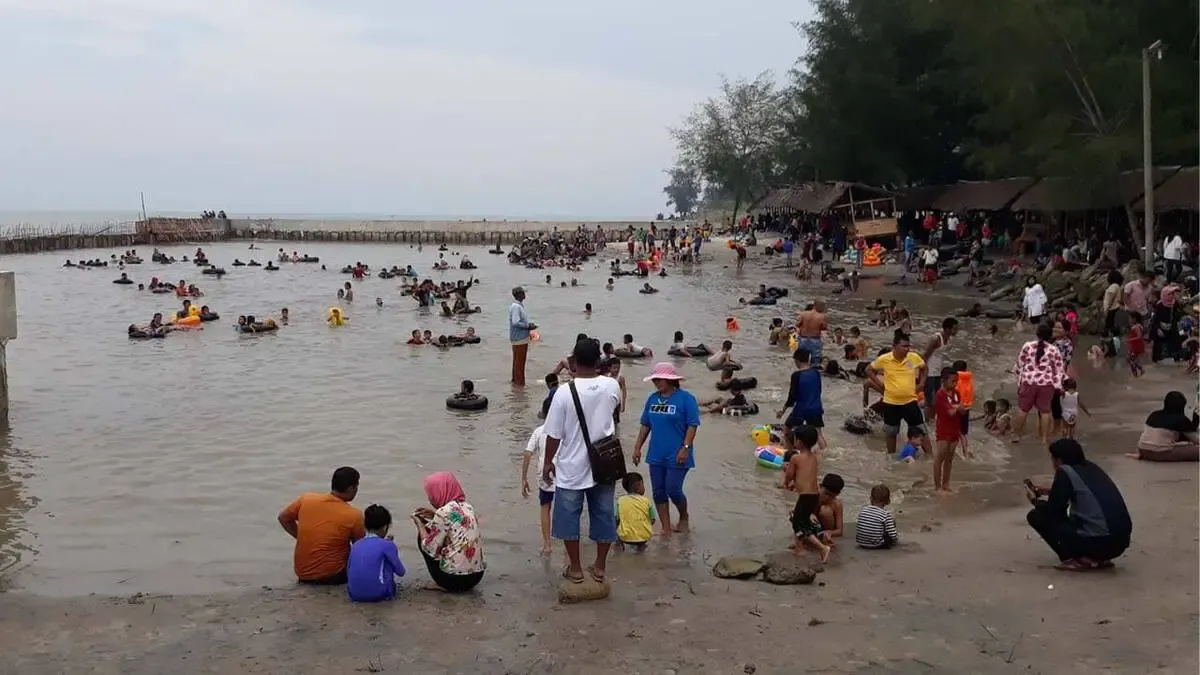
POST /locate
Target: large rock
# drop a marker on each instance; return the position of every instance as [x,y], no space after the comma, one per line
[732,567]
[570,593]
[1002,292]
[787,569]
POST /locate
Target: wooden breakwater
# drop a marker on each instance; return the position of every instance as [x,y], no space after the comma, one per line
[387,237]
[66,242]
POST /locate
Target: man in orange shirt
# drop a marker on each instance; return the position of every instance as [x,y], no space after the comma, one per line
[324,525]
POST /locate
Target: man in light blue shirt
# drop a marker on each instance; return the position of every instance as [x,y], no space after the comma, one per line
[519,328]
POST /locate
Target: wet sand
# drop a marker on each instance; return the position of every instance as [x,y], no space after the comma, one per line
[968,595]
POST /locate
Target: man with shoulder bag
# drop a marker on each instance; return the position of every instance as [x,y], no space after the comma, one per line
[585,460]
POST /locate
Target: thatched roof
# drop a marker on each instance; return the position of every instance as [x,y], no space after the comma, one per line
[919,198]
[818,196]
[1066,194]
[992,195]
[1180,192]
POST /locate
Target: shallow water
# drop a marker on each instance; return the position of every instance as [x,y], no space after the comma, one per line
[160,465]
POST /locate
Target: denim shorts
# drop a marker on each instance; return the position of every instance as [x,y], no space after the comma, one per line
[602,513]
[814,346]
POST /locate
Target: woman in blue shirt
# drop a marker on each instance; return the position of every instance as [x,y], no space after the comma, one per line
[669,419]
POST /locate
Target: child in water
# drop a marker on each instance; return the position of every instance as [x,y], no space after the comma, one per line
[374,560]
[948,427]
[587,308]
[911,450]
[283,316]
[614,371]
[635,514]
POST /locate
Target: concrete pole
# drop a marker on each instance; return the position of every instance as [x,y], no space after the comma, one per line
[8,331]
[1147,155]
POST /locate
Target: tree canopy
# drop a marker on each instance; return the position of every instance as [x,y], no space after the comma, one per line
[921,92]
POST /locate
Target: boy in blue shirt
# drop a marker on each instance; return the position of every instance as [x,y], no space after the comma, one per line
[374,560]
[804,398]
[910,451]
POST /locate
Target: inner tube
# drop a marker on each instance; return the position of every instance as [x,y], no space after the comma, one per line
[627,354]
[161,289]
[145,335]
[476,402]
[743,382]
[123,282]
[468,266]
[761,301]
[857,425]
[647,291]
[775,291]
[237,263]
[741,410]
[769,456]
[271,268]
[309,259]
[258,328]
[471,340]
[255,263]
[213,270]
[495,251]
[699,351]
[211,316]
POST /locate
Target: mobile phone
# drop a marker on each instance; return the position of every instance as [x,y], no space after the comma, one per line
[1029,484]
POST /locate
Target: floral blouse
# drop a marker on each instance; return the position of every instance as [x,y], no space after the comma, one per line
[452,539]
[1048,371]
[1067,349]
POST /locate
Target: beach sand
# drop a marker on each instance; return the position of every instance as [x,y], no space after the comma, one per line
[968,596]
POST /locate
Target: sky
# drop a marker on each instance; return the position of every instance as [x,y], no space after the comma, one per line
[528,108]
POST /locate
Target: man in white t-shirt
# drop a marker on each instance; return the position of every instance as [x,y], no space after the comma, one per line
[1173,252]
[567,462]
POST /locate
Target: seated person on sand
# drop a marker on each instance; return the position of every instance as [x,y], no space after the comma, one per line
[448,535]
[724,358]
[324,525]
[1169,434]
[1001,423]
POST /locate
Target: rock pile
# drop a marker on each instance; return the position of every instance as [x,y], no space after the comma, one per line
[779,568]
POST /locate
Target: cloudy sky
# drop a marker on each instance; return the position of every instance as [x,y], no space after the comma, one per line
[520,108]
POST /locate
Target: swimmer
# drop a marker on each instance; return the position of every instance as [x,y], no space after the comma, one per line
[379,302]
[141,287]
[574,281]
[608,286]
[283,316]
[349,292]
[718,404]
[427,337]
[442,342]
[548,281]
[648,289]
[341,294]
[562,284]
[416,338]
[587,308]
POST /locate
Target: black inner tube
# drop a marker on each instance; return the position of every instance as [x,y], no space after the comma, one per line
[475,402]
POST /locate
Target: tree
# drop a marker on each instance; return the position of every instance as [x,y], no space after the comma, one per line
[873,99]
[732,139]
[683,191]
[1065,97]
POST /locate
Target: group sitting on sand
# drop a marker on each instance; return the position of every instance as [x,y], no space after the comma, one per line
[336,544]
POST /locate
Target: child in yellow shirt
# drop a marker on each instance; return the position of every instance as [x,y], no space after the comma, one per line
[635,513]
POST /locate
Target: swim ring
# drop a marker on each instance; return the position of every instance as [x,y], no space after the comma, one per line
[336,317]
[769,456]
[741,410]
[475,402]
[628,354]
[766,302]
[190,320]
[732,324]
[742,382]
[691,352]
[766,434]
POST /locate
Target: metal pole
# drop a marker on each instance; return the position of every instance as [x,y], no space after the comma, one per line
[1147,162]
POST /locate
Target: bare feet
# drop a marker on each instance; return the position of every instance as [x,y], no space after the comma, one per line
[825,551]
[1133,455]
[944,491]
[682,525]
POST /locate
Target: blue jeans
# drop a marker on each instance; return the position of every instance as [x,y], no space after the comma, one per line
[602,513]
[666,482]
[815,348]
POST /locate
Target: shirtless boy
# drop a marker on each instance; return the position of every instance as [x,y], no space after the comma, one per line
[801,471]
[809,325]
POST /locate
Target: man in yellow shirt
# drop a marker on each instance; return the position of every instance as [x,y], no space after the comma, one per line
[899,375]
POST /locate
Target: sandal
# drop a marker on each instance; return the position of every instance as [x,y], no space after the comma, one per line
[598,578]
[566,574]
[1075,566]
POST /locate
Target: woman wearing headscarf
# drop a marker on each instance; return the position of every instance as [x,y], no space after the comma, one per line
[1170,435]
[448,535]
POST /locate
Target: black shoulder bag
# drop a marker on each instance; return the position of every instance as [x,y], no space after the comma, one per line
[606,456]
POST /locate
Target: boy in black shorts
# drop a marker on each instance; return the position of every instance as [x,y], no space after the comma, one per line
[801,471]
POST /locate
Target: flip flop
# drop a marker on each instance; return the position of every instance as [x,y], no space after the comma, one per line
[1074,566]
[598,578]
[566,574]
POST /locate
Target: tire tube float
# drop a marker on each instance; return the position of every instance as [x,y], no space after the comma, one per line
[471,340]
[237,263]
[741,410]
[857,425]
[143,335]
[494,251]
[211,316]
[647,291]
[213,270]
[690,352]
[476,402]
[769,456]
[743,383]
[734,367]
[765,302]
[270,268]
[998,314]
[309,259]
[123,282]
[190,320]
[336,317]
[626,354]
[776,292]
[257,328]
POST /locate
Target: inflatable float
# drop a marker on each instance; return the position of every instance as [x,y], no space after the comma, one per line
[873,257]
[336,317]
[743,383]
[769,456]
[741,410]
[620,352]
[473,402]
[699,351]
[767,434]
[189,320]
[763,302]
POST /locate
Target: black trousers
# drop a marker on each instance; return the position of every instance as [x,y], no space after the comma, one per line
[451,583]
[1068,544]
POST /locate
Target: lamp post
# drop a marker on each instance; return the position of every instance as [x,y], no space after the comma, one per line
[1154,48]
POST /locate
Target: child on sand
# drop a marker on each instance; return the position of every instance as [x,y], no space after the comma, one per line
[801,471]
[1071,405]
[948,429]
[536,448]
[1002,424]
[830,514]
[635,513]
[374,560]
[876,527]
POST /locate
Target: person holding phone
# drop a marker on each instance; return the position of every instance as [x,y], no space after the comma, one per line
[1082,515]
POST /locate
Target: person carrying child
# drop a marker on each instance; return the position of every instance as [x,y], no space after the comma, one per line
[947,428]
[635,513]
[374,560]
[801,471]
[876,527]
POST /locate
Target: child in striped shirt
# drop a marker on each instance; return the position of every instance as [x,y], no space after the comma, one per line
[876,527]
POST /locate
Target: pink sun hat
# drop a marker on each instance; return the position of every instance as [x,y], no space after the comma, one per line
[664,371]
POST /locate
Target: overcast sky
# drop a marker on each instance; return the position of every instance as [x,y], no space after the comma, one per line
[520,108]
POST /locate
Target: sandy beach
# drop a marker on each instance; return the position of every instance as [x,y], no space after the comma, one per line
[971,589]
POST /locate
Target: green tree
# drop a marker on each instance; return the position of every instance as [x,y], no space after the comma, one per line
[1060,85]
[874,98]
[683,190]
[733,139]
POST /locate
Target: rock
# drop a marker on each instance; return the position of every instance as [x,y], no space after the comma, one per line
[787,569]
[737,568]
[570,593]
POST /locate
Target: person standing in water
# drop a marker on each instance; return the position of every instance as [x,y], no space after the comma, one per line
[519,328]
[809,325]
